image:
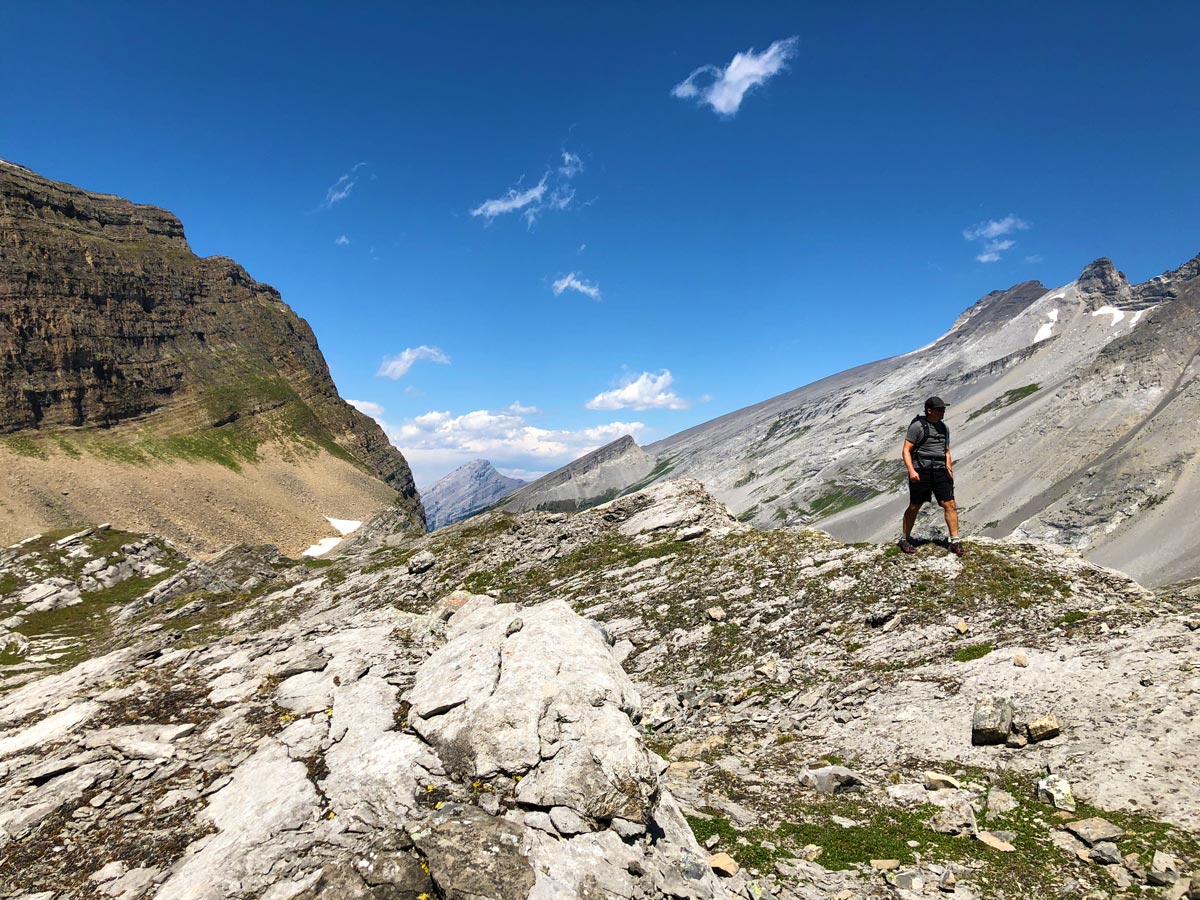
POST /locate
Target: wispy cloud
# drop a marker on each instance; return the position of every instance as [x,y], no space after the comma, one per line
[1034,258]
[342,241]
[395,367]
[552,192]
[437,441]
[646,391]
[341,189]
[571,165]
[724,89]
[517,409]
[992,233]
[367,407]
[572,282]
[512,201]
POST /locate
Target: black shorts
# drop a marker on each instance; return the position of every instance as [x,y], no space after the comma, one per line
[935,482]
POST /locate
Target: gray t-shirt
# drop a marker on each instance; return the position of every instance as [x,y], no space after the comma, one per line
[933,452]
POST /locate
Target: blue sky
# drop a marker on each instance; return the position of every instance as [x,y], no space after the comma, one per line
[706,206]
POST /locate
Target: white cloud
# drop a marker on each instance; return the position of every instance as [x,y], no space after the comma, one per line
[340,189]
[342,241]
[992,234]
[994,228]
[646,391]
[553,192]
[437,441]
[518,410]
[1034,258]
[367,407]
[727,87]
[394,367]
[572,282]
[512,201]
[571,166]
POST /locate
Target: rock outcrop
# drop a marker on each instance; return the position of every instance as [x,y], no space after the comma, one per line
[590,480]
[435,715]
[117,343]
[466,491]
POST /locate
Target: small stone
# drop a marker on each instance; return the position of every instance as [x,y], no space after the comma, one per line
[1044,728]
[1164,869]
[885,865]
[567,821]
[812,852]
[114,869]
[992,721]
[1016,741]
[1000,802]
[711,843]
[627,828]
[1020,660]
[723,864]
[716,613]
[958,818]
[961,626]
[1180,889]
[513,627]
[1056,790]
[881,614]
[1106,853]
[990,840]
[1094,830]
[908,881]
[830,779]
[421,562]
[936,781]
[948,882]
[691,532]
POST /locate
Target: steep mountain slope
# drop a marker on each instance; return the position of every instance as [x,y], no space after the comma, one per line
[591,479]
[465,491]
[1073,416]
[122,352]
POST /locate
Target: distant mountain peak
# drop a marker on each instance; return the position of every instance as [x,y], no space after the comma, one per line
[1102,277]
[469,488]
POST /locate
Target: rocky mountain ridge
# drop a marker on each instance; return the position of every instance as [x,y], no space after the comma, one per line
[435,715]
[120,349]
[592,479]
[1071,412]
[466,491]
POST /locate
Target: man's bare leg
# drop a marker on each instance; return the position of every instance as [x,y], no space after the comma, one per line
[951,510]
[910,519]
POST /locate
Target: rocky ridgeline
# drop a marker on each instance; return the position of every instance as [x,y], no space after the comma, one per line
[434,716]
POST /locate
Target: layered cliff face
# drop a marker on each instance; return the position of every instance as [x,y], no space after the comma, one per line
[117,342]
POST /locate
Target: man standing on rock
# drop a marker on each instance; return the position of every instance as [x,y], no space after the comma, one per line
[926,454]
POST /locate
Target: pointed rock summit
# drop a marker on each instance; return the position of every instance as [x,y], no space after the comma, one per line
[1102,277]
[465,491]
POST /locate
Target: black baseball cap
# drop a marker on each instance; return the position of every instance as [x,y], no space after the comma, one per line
[935,403]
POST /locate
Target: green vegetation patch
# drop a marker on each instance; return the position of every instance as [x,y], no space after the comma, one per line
[23,445]
[1008,398]
[838,497]
[973,651]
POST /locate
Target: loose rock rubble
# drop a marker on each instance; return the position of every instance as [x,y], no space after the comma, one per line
[437,716]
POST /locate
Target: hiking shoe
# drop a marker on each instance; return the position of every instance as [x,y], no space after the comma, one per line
[906,546]
[957,548]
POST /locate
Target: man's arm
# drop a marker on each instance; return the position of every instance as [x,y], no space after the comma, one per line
[906,455]
[949,464]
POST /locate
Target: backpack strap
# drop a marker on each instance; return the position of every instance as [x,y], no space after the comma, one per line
[927,432]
